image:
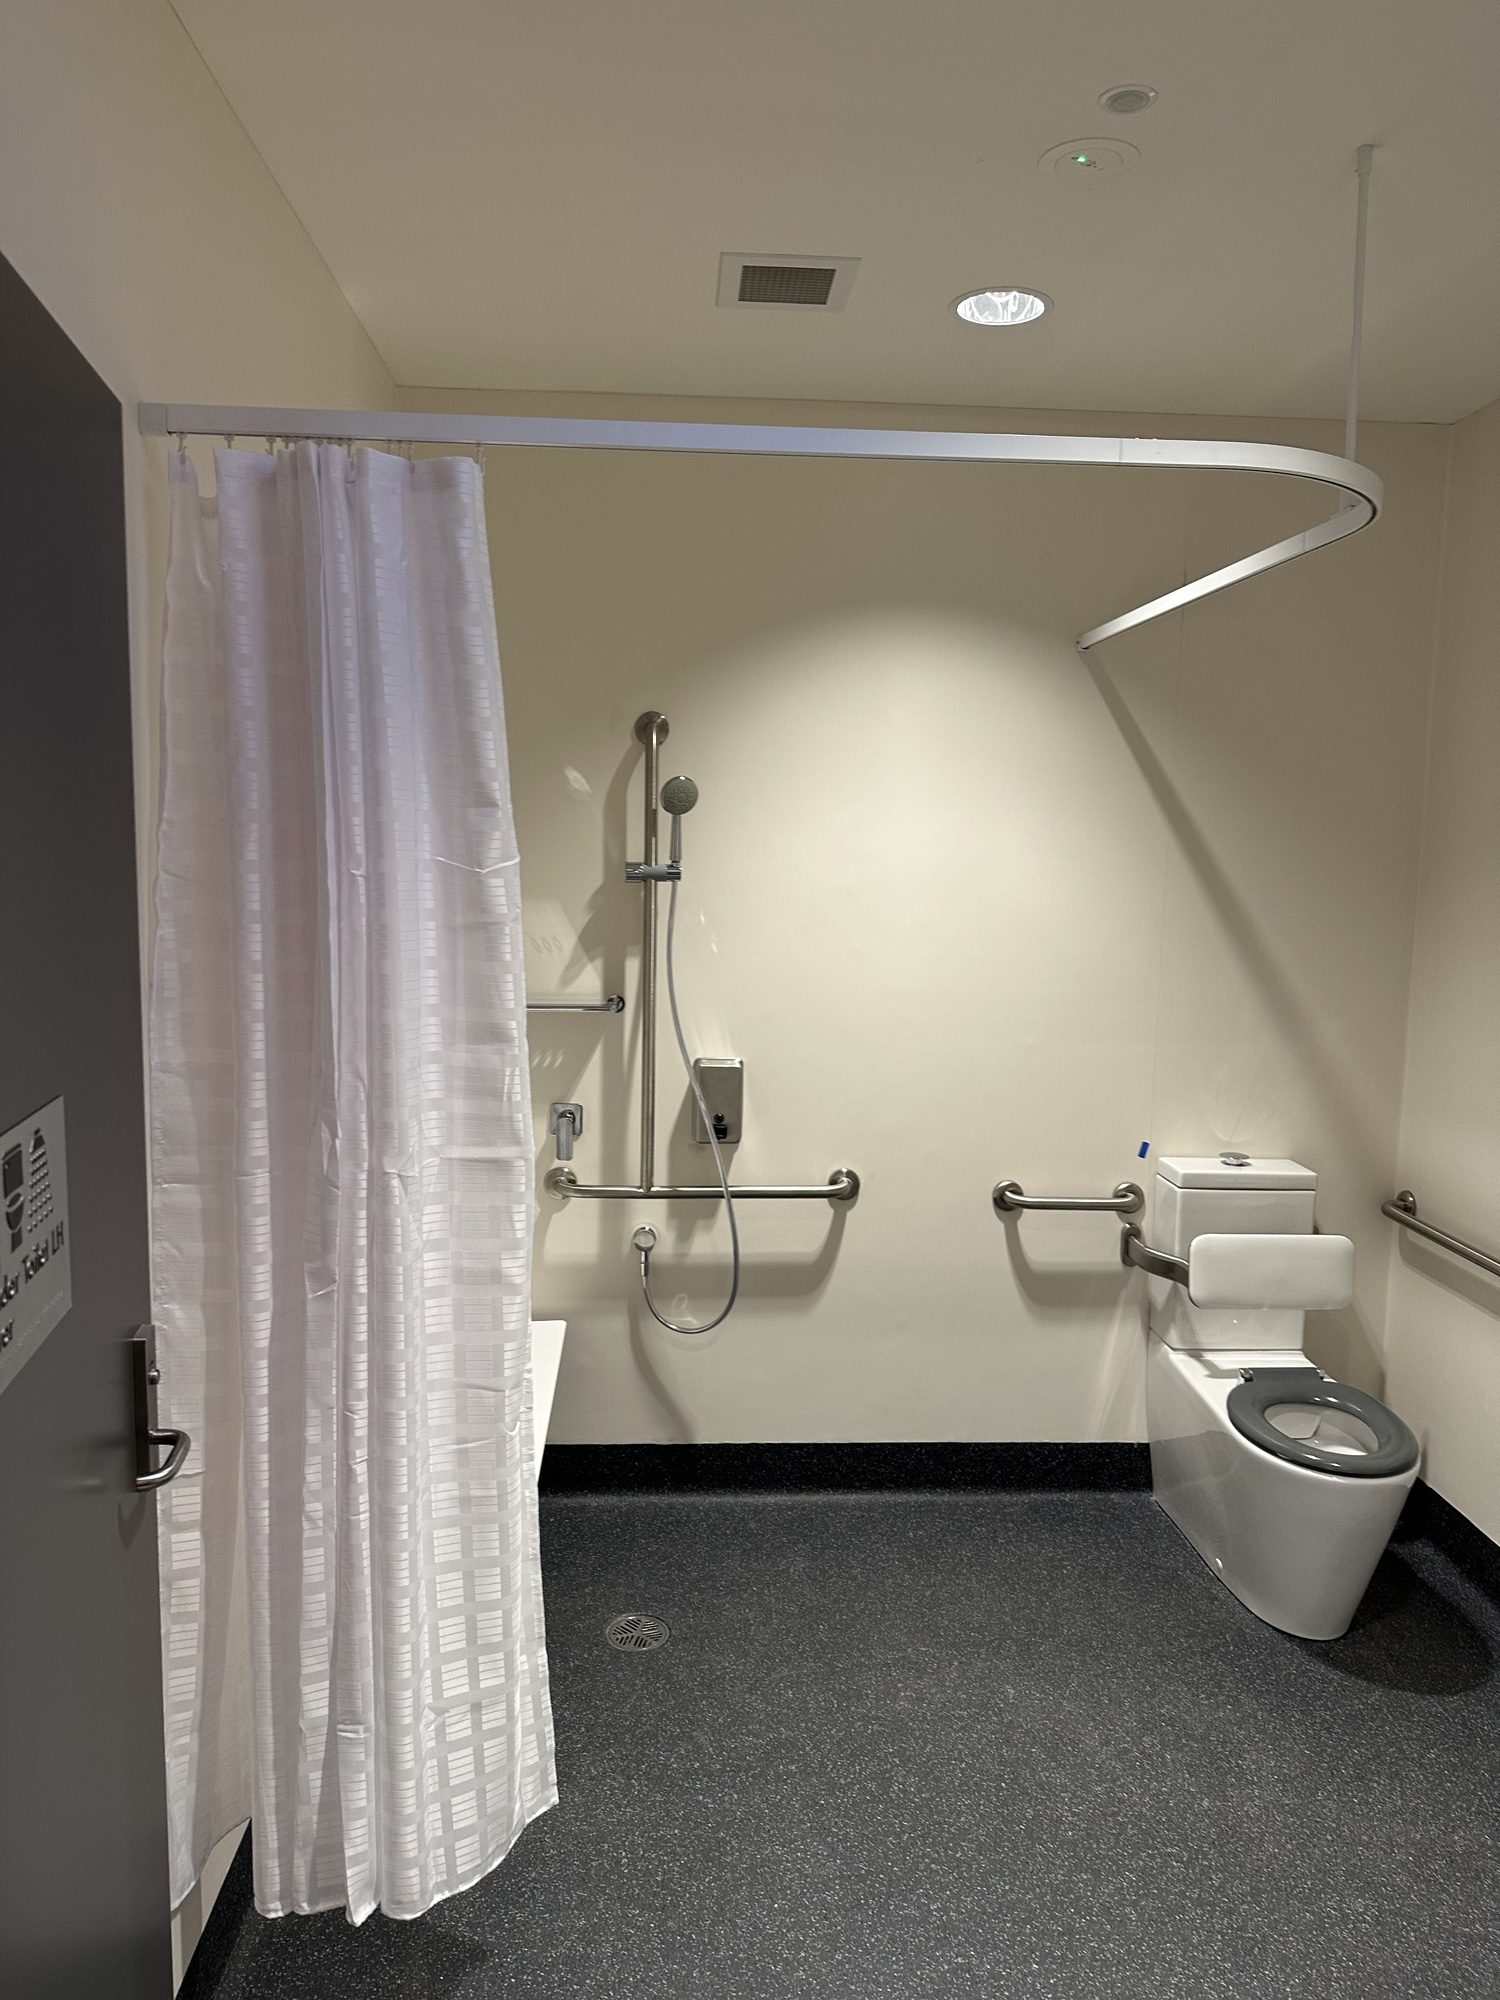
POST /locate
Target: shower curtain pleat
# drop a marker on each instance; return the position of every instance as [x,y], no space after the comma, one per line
[342,1190]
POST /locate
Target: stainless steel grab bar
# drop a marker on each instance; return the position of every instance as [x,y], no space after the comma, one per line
[1127,1199]
[1403,1209]
[612,1003]
[1137,1253]
[561,1181]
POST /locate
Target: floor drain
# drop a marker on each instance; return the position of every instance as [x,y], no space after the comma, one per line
[636,1632]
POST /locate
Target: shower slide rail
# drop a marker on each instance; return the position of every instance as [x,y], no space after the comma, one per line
[1010,1198]
[1403,1209]
[842,1185]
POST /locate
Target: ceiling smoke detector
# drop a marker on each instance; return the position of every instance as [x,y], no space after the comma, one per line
[1081,162]
[785,284]
[1002,305]
[1125,99]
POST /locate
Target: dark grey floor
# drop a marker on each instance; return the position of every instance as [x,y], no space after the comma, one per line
[921,1746]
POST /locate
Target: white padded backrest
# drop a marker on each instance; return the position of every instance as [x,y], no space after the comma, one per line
[1246,1273]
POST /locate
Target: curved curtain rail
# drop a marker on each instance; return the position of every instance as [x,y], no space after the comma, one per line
[1361,489]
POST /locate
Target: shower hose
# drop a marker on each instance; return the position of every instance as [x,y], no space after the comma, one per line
[672,1325]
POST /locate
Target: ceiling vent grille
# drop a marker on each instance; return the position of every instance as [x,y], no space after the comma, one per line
[785,284]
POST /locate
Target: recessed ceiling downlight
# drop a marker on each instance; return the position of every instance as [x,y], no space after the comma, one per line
[1125,99]
[1002,305]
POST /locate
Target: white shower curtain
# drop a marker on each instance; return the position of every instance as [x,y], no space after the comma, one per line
[341,1189]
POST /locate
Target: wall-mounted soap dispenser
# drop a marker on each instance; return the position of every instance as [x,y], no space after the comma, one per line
[722,1082]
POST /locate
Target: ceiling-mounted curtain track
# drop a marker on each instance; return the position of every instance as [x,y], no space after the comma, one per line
[1360,490]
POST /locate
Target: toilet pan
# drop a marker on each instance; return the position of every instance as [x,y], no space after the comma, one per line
[1291,1494]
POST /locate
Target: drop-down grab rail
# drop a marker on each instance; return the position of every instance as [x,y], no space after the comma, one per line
[1137,1253]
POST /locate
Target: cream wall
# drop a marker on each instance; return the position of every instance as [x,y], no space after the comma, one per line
[137,209]
[968,907]
[134,205]
[1444,1337]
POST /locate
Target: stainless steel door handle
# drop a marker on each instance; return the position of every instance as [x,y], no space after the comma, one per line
[148,1434]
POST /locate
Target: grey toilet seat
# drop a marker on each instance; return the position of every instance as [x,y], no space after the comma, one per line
[1265,1388]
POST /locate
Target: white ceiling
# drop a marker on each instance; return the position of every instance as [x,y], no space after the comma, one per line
[533,194]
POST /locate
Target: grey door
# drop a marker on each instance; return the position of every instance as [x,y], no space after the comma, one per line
[83,1886]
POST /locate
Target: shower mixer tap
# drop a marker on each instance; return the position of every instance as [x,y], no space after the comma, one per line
[565,1123]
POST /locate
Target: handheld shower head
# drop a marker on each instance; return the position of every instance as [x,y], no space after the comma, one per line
[678,796]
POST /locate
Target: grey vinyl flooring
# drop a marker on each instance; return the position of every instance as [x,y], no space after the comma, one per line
[920,1746]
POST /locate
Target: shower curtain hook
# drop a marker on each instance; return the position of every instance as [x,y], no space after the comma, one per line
[181,437]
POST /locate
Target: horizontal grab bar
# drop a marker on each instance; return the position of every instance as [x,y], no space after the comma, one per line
[840,1186]
[1009,1197]
[612,1003]
[1403,1209]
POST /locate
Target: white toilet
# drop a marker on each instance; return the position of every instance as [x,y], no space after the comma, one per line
[1288,1485]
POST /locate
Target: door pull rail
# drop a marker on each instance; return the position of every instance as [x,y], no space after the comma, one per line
[149,1435]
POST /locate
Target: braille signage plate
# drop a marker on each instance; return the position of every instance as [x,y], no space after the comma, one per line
[36,1280]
